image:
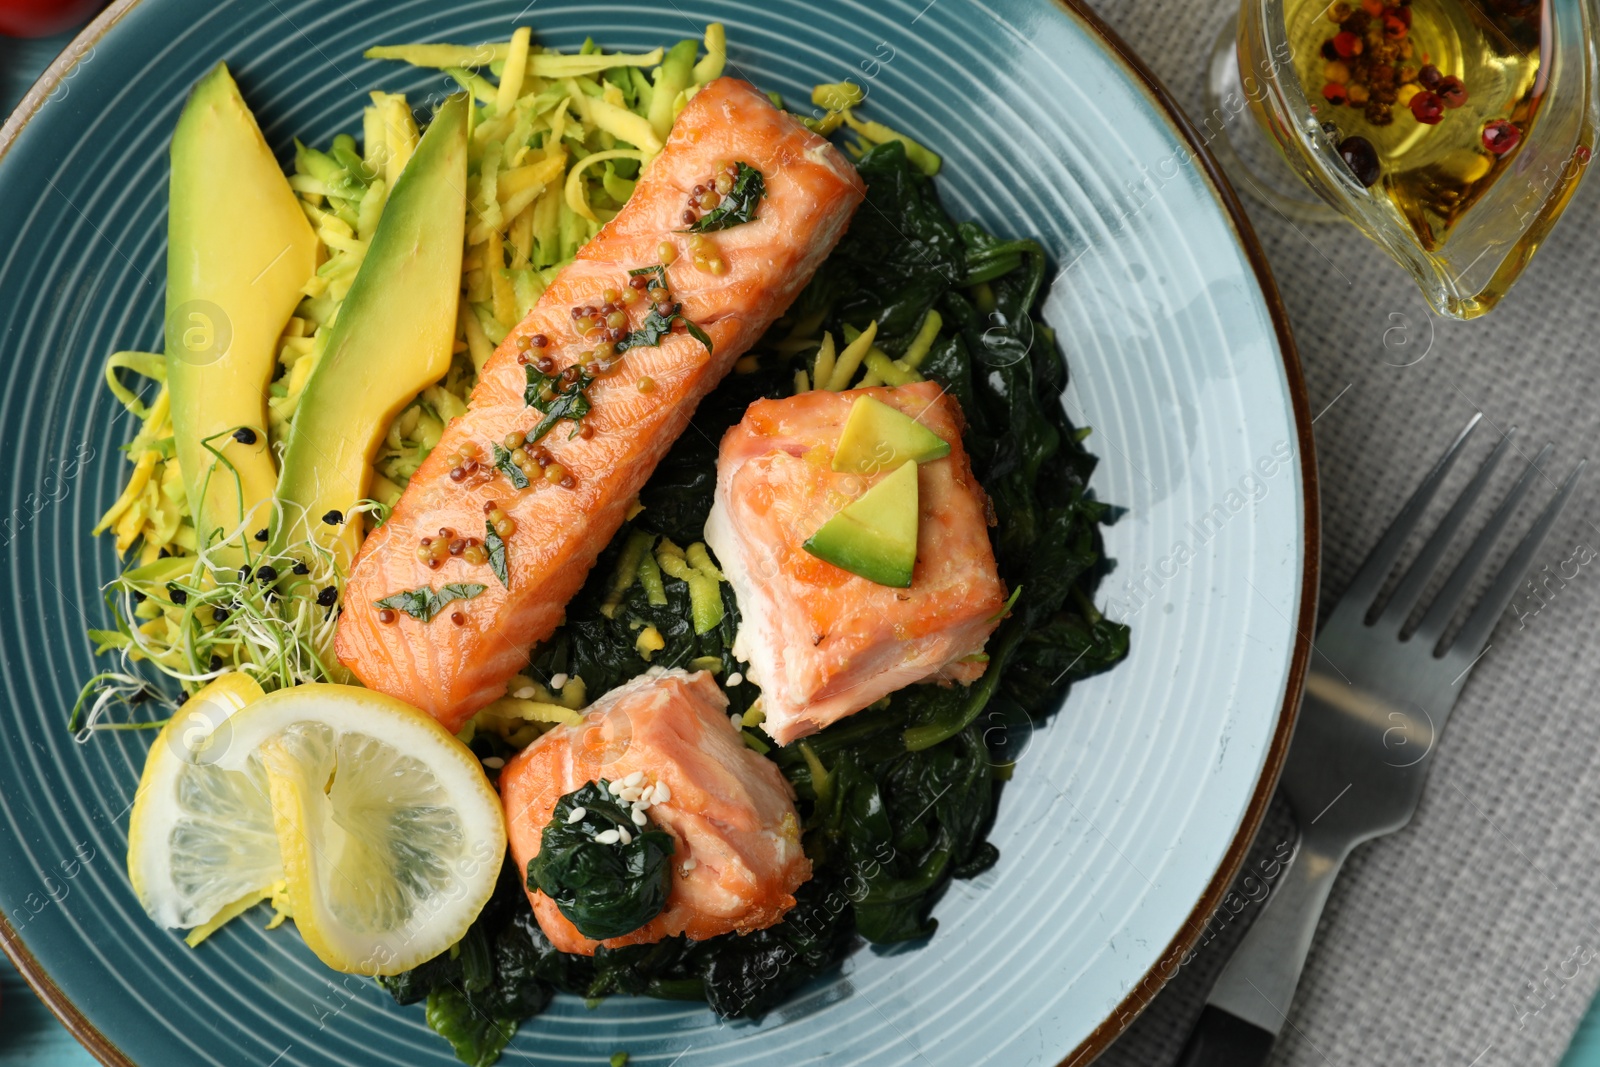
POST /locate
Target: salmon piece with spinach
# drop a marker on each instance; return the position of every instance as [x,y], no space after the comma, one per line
[736,858]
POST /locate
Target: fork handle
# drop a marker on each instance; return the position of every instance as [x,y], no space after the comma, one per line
[1223,1040]
[1250,1002]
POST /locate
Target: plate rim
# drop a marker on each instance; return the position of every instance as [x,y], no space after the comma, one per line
[1166,106]
[1167,963]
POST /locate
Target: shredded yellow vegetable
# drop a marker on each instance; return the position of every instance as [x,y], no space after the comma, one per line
[577,198]
[850,359]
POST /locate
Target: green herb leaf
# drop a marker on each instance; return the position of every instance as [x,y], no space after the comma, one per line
[656,326]
[650,332]
[655,270]
[605,890]
[497,552]
[698,334]
[738,206]
[571,401]
[513,473]
[426,602]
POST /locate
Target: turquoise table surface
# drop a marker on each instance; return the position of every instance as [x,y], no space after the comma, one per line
[29,1036]
[1585,1050]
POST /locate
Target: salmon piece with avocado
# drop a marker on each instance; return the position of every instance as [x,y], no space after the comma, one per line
[737,858]
[575,483]
[823,642]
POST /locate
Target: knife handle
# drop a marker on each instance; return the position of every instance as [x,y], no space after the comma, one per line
[1223,1040]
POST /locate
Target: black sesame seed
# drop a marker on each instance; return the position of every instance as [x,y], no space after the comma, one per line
[328,597]
[220,614]
[178,596]
[334,517]
[244,574]
[266,574]
[245,435]
[301,568]
[216,663]
[261,535]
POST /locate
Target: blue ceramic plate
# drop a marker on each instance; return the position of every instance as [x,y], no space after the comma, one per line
[1130,810]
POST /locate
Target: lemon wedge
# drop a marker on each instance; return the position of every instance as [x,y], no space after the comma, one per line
[201,837]
[391,837]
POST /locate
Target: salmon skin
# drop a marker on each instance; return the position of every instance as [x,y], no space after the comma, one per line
[823,643]
[459,660]
[737,858]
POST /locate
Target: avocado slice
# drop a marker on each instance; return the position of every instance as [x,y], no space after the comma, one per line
[876,536]
[239,249]
[392,339]
[878,437]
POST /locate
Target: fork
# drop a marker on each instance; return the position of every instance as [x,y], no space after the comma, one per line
[1376,700]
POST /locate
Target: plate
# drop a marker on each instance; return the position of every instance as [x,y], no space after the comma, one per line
[1130,810]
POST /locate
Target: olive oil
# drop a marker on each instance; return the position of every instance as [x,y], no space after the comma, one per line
[1429,100]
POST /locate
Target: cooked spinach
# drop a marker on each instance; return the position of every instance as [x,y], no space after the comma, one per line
[503,971]
[897,799]
[425,603]
[606,887]
[739,205]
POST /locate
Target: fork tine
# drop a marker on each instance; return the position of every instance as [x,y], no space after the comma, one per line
[1364,588]
[1437,617]
[1416,578]
[1475,633]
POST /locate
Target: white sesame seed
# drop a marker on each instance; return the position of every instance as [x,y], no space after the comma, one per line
[623,837]
[689,864]
[629,794]
[576,815]
[639,817]
[736,720]
[616,789]
[558,681]
[633,779]
[661,794]
[735,678]
[494,763]
[607,837]
[527,692]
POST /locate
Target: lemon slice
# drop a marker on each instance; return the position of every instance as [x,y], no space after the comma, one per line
[201,837]
[391,836]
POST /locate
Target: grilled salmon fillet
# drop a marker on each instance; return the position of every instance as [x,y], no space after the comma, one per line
[736,858]
[461,658]
[821,642]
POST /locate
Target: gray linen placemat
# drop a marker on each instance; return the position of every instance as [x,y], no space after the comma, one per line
[1470,938]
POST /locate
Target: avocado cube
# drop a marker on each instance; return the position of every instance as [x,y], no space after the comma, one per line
[878,437]
[875,537]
